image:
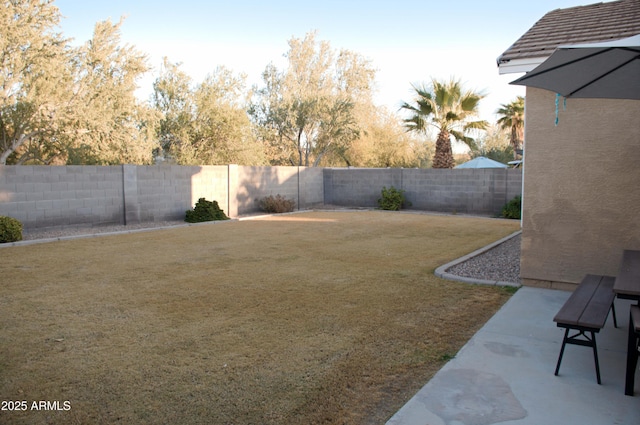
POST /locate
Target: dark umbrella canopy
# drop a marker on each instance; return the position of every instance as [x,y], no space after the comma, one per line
[609,70]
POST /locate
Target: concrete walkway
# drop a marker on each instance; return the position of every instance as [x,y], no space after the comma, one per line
[505,373]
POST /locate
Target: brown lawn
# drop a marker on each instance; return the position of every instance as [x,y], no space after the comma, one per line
[322,317]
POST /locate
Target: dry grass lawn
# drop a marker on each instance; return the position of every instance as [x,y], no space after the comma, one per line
[320,317]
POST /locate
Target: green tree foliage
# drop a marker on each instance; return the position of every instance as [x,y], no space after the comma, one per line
[108,124]
[35,74]
[64,104]
[494,145]
[205,124]
[449,108]
[383,142]
[512,119]
[172,97]
[308,110]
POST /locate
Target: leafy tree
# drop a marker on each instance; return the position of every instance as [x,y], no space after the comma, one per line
[308,111]
[62,104]
[172,98]
[449,108]
[512,118]
[383,142]
[206,124]
[494,144]
[34,77]
[222,129]
[108,125]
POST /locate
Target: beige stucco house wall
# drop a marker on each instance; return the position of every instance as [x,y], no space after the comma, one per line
[581,187]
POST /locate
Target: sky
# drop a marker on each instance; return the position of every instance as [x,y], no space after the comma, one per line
[407,42]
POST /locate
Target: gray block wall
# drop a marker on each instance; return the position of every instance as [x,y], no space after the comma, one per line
[302,184]
[358,187]
[42,196]
[469,191]
[165,192]
[311,187]
[255,183]
[67,196]
[64,196]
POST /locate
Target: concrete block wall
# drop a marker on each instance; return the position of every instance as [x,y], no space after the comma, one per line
[469,191]
[302,184]
[311,187]
[62,196]
[358,187]
[255,183]
[165,192]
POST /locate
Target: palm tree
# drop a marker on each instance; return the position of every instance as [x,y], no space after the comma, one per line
[512,118]
[449,108]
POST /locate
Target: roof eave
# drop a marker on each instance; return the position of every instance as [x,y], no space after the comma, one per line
[515,66]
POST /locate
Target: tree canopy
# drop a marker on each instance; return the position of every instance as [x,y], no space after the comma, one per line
[64,104]
[206,123]
[34,72]
[308,110]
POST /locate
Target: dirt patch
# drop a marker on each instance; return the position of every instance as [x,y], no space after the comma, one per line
[323,317]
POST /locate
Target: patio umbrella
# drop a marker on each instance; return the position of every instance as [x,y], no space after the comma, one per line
[609,70]
[482,162]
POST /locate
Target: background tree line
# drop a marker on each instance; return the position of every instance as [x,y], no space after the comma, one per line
[76,105]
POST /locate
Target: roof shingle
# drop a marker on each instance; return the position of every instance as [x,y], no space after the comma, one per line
[582,24]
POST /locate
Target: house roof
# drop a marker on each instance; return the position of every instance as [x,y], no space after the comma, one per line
[592,23]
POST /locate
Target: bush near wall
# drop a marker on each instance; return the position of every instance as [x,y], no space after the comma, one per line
[10,229]
[205,211]
[277,204]
[392,199]
[513,208]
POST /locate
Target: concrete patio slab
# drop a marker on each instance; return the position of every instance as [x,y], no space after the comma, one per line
[505,373]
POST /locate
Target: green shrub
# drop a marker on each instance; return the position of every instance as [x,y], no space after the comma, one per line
[205,211]
[513,208]
[10,229]
[392,199]
[277,204]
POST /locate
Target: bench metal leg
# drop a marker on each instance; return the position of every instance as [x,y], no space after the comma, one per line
[632,360]
[564,341]
[595,356]
[587,342]
[613,310]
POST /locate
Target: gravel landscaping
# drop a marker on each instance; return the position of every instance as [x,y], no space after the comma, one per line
[86,231]
[501,263]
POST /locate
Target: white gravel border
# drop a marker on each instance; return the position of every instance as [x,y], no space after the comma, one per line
[442,270]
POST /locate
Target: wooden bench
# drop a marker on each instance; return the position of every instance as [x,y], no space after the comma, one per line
[586,312]
[632,349]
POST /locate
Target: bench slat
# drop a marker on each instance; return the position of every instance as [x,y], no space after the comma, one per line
[588,306]
[573,308]
[596,312]
[586,311]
